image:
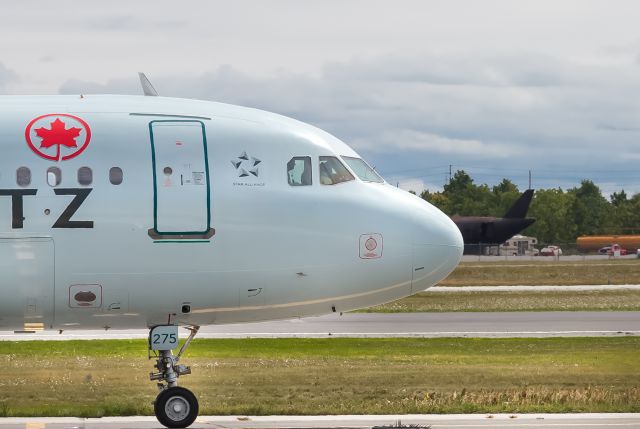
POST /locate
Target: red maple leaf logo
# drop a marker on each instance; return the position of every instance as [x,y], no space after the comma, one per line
[58,135]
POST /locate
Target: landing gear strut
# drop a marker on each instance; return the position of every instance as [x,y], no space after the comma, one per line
[175,407]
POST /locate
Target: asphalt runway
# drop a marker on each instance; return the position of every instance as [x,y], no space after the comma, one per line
[456,421]
[458,324]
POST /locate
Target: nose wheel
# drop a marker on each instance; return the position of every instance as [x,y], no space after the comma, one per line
[176,407]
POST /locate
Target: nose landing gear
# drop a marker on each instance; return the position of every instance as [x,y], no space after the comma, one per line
[174,407]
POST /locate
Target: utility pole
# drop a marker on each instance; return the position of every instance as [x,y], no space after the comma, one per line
[450,166]
[529,179]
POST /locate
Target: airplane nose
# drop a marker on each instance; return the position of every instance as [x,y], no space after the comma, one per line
[437,248]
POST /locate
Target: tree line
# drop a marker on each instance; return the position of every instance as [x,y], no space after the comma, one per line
[561,216]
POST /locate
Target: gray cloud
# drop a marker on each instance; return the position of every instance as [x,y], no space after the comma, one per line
[566,120]
[520,69]
[115,86]
[129,23]
[7,76]
[113,23]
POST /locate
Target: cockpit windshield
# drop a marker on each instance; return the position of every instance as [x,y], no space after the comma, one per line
[362,170]
[332,171]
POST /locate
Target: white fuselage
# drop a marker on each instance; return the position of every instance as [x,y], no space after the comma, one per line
[196,232]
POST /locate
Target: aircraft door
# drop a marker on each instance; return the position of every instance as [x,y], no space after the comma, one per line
[181,180]
[26,282]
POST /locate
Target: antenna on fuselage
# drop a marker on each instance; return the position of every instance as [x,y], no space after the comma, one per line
[147,88]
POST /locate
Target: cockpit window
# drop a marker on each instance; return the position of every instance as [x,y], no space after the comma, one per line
[332,171]
[299,171]
[362,169]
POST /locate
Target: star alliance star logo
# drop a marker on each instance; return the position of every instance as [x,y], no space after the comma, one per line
[246,166]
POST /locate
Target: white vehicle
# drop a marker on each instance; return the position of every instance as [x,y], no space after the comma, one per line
[519,245]
[148,212]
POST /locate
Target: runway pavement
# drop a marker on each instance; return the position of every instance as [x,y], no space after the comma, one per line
[456,421]
[459,324]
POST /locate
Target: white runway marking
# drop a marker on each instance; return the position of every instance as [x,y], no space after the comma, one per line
[436,421]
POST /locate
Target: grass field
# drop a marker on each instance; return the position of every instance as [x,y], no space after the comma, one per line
[330,376]
[598,272]
[600,300]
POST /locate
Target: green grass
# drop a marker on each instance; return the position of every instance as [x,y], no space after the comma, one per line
[600,300]
[593,272]
[330,376]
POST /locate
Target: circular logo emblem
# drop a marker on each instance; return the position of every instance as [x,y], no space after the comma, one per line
[57,136]
[371,244]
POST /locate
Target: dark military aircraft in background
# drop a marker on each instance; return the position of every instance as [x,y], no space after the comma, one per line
[480,232]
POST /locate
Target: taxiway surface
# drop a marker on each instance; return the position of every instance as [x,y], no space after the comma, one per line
[456,421]
[458,324]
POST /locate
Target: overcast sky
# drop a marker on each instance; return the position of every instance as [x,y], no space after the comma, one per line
[497,88]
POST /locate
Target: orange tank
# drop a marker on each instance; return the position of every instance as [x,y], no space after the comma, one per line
[588,243]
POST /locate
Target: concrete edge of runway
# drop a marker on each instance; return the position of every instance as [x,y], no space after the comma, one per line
[239,336]
[382,419]
[350,421]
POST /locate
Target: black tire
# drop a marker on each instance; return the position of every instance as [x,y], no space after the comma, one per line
[176,407]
